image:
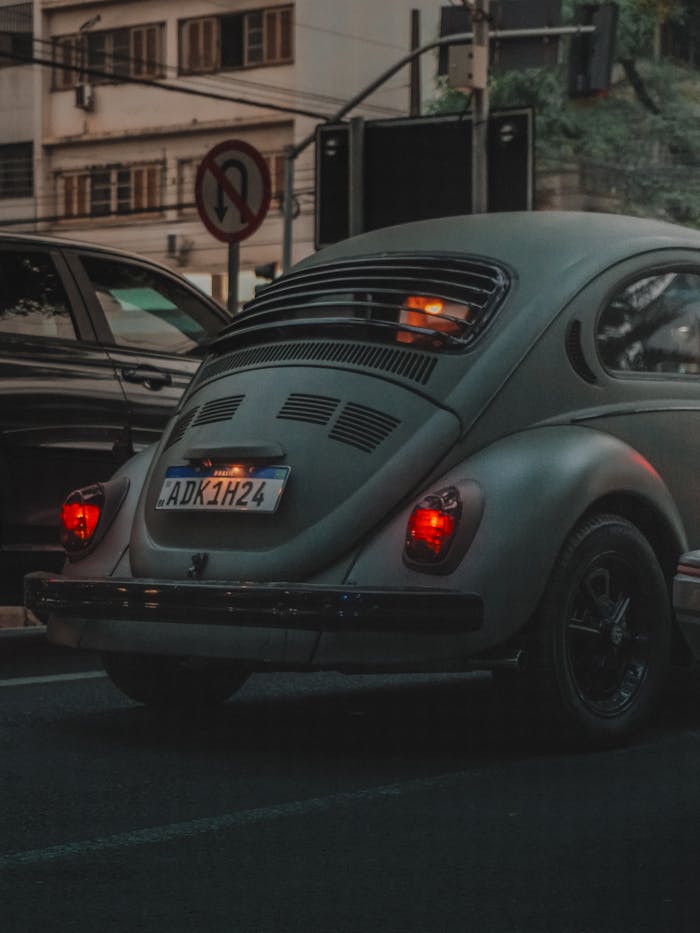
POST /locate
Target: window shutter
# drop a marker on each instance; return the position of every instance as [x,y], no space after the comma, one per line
[66,53]
[210,44]
[286,52]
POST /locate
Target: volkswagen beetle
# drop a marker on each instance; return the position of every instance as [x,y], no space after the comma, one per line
[459,444]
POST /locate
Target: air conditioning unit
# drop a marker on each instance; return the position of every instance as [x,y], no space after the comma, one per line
[85,96]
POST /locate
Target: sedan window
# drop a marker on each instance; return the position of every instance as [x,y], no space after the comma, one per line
[653,326]
[149,311]
[33,302]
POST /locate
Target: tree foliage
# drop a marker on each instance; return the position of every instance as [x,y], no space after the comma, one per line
[640,144]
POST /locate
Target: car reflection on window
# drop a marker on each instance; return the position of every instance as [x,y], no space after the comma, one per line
[653,326]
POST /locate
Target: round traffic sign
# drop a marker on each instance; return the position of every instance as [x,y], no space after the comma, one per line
[232,190]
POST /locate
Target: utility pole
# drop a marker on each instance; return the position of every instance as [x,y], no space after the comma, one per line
[356,188]
[480,109]
[480,106]
[414,81]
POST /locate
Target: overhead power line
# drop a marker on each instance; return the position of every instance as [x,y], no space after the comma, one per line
[160,85]
[216,79]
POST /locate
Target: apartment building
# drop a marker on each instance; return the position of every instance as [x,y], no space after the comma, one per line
[111,105]
[17,114]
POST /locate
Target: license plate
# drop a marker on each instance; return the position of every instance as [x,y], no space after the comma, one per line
[223,488]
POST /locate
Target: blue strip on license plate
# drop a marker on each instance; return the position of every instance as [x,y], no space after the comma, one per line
[223,488]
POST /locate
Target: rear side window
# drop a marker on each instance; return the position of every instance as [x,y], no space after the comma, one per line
[33,302]
[148,311]
[653,326]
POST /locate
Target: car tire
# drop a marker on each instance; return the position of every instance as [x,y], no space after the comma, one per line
[603,633]
[165,682]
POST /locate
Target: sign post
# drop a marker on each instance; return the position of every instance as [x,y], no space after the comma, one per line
[480,116]
[232,191]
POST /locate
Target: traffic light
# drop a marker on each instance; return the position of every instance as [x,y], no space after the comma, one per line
[268,270]
[592,53]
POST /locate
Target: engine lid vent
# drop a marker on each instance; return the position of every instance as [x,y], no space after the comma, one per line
[180,427]
[220,409]
[414,366]
[315,409]
[362,427]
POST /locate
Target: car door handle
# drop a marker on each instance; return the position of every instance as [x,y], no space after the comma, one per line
[151,378]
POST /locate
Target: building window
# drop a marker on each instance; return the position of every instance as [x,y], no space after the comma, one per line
[67,61]
[16,34]
[76,189]
[114,189]
[16,170]
[275,164]
[237,40]
[108,56]
[145,51]
[186,175]
[199,40]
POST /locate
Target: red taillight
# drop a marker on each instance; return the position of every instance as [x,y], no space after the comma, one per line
[79,517]
[432,526]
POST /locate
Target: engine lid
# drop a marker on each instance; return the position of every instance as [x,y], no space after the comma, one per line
[338,449]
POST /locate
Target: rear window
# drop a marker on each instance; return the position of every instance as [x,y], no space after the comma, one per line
[437,303]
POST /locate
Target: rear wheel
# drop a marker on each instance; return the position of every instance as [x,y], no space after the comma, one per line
[603,631]
[172,682]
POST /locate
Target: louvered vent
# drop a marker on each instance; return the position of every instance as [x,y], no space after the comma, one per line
[180,426]
[407,364]
[221,409]
[362,427]
[315,409]
[574,351]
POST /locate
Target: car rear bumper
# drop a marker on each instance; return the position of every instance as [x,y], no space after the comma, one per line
[686,599]
[277,624]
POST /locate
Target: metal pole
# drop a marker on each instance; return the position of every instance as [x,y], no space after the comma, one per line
[414,81]
[461,38]
[356,188]
[480,116]
[233,269]
[287,207]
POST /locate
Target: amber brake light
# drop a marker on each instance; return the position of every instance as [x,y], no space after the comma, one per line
[422,303]
[430,314]
[80,516]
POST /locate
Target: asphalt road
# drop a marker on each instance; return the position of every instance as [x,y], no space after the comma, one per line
[334,804]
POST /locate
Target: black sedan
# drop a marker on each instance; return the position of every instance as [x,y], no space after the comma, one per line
[96,348]
[468,443]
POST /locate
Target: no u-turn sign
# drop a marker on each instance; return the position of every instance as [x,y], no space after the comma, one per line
[232,190]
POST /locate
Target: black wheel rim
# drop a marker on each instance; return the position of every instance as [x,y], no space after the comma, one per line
[608,636]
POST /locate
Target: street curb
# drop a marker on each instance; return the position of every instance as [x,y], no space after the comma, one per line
[18,622]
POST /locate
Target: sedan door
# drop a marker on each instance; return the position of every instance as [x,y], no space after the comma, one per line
[63,414]
[155,328]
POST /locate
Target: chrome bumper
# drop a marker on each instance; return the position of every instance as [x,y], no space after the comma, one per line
[272,623]
[686,599]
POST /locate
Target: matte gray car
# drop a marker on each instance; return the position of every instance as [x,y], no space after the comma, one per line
[467,443]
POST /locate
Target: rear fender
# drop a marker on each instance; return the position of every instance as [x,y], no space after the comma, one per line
[535,486]
[112,552]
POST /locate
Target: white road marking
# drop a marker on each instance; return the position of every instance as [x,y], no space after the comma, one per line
[50,679]
[295,808]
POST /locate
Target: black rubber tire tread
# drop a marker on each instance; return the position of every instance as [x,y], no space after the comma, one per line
[169,683]
[551,676]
